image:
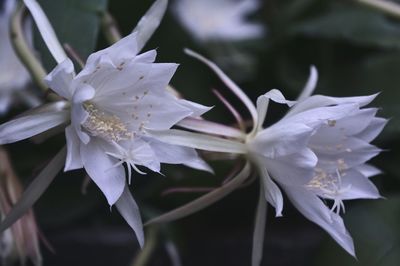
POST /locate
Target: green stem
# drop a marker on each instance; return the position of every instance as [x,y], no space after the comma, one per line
[143,257]
[23,50]
[109,28]
[388,7]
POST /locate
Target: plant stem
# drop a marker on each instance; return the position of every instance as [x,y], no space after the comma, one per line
[23,50]
[143,257]
[388,7]
[109,28]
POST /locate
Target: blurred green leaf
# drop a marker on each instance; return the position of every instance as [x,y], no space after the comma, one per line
[355,24]
[75,22]
[375,228]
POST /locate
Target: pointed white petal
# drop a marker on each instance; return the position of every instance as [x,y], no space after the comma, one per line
[356,186]
[368,170]
[316,101]
[146,57]
[150,22]
[100,168]
[197,109]
[35,190]
[128,208]
[198,141]
[262,105]
[60,79]
[30,125]
[209,127]
[262,108]
[204,201]
[354,152]
[313,209]
[259,229]
[321,115]
[272,193]
[229,83]
[372,131]
[334,131]
[46,30]
[310,85]
[277,96]
[74,160]
[121,51]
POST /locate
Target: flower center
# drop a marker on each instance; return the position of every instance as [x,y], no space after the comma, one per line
[101,124]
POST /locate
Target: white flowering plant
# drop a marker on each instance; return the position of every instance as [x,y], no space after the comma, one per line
[131,124]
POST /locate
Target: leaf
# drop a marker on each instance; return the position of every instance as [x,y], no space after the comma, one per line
[75,22]
[360,26]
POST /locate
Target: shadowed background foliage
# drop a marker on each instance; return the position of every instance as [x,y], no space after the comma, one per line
[357,52]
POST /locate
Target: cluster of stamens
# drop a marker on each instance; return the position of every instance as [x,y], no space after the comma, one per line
[101,124]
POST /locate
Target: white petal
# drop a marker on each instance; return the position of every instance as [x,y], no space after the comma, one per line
[150,22]
[30,125]
[310,85]
[314,210]
[372,131]
[334,131]
[368,170]
[354,152]
[82,94]
[35,190]
[121,51]
[46,30]
[293,169]
[277,96]
[272,193]
[144,154]
[198,141]
[60,79]
[100,168]
[318,116]
[73,160]
[281,139]
[146,57]
[259,229]
[173,154]
[128,208]
[197,109]
[229,83]
[356,186]
[262,106]
[317,101]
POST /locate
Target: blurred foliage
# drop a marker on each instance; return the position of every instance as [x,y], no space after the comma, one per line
[76,23]
[357,52]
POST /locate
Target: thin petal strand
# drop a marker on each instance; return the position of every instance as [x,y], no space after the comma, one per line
[128,208]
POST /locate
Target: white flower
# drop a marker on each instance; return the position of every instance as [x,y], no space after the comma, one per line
[109,106]
[218,20]
[13,75]
[317,152]
[114,100]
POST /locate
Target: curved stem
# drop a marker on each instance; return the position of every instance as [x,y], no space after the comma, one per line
[109,28]
[143,257]
[23,50]
[204,201]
